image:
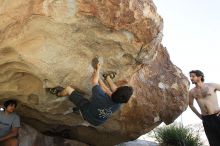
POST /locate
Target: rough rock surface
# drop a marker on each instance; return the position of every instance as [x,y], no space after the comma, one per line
[55,41]
[30,137]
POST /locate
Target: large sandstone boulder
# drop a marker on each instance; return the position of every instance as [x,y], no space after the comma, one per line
[44,43]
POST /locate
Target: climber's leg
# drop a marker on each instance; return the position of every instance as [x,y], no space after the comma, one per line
[60,91]
[75,97]
[55,90]
[78,99]
[66,91]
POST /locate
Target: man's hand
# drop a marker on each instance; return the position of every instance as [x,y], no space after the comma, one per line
[12,133]
[95,76]
[98,66]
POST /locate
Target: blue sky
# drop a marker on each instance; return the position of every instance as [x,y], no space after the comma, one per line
[191,36]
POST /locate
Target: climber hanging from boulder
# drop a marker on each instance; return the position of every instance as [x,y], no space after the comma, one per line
[104,101]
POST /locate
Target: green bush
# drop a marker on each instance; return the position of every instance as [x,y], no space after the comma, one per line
[177,136]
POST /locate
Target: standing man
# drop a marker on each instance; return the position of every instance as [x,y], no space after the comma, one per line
[206,97]
[9,124]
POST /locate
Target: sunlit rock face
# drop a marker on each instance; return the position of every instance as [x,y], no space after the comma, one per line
[44,43]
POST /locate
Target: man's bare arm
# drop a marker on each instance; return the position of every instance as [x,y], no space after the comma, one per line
[105,88]
[216,86]
[191,100]
[111,84]
[13,133]
[95,76]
